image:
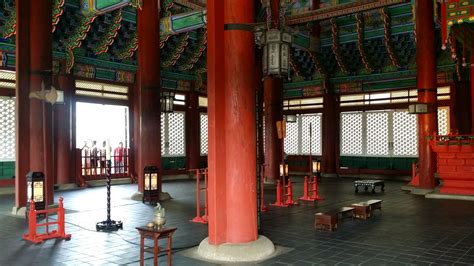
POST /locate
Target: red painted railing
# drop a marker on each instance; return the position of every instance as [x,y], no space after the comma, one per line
[94,167]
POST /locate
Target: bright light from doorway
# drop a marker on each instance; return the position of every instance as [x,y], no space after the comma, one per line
[101,123]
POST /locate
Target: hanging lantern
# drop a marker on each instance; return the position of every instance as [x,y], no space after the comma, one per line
[276,52]
[36,189]
[151,192]
[167,101]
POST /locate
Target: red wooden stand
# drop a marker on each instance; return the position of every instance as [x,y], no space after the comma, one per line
[314,194]
[279,202]
[32,225]
[289,195]
[201,219]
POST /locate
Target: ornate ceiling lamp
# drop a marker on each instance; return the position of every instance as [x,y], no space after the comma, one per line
[276,43]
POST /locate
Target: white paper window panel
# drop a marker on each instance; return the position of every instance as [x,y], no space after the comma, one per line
[315,121]
[7,129]
[405,134]
[204,137]
[291,140]
[443,120]
[377,134]
[351,134]
[176,133]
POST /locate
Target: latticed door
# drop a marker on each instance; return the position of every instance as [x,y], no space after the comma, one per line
[297,139]
[7,129]
[377,140]
[172,134]
[351,134]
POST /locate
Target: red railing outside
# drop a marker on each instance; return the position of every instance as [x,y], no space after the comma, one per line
[94,167]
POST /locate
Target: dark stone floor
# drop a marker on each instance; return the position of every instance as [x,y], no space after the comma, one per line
[411,230]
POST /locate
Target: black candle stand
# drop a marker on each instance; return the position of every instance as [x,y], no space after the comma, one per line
[108,225]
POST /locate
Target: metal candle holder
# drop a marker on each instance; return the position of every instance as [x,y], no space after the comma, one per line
[108,225]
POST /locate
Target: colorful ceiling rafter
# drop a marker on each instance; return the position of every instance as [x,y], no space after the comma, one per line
[110,32]
[360,41]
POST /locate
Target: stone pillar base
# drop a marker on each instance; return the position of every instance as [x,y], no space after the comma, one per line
[421,191]
[19,211]
[258,250]
[407,187]
[138,196]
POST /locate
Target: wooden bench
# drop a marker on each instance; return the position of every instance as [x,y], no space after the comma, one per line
[369,183]
[329,220]
[364,209]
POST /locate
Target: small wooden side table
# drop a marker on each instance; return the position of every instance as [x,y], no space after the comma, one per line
[155,234]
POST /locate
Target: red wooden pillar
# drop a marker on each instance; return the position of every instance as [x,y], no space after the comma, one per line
[192,128]
[273,99]
[231,105]
[330,132]
[472,89]
[149,88]
[64,152]
[426,85]
[22,163]
[41,64]
[135,122]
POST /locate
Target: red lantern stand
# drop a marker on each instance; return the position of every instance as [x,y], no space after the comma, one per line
[201,219]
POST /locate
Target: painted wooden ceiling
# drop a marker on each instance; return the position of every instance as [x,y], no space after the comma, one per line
[350,47]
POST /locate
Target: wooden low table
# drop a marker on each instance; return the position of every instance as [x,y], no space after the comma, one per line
[330,220]
[369,183]
[364,209]
[155,234]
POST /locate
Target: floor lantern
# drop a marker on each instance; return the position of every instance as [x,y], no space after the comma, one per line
[151,192]
[36,190]
[316,169]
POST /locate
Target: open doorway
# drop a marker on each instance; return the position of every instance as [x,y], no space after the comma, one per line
[102,129]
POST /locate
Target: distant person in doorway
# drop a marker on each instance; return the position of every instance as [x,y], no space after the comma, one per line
[118,158]
[103,153]
[85,159]
[94,157]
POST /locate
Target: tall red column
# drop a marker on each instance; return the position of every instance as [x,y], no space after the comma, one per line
[41,64]
[330,132]
[64,154]
[272,97]
[231,113]
[192,127]
[426,85]
[149,85]
[135,124]
[273,100]
[22,163]
[472,89]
